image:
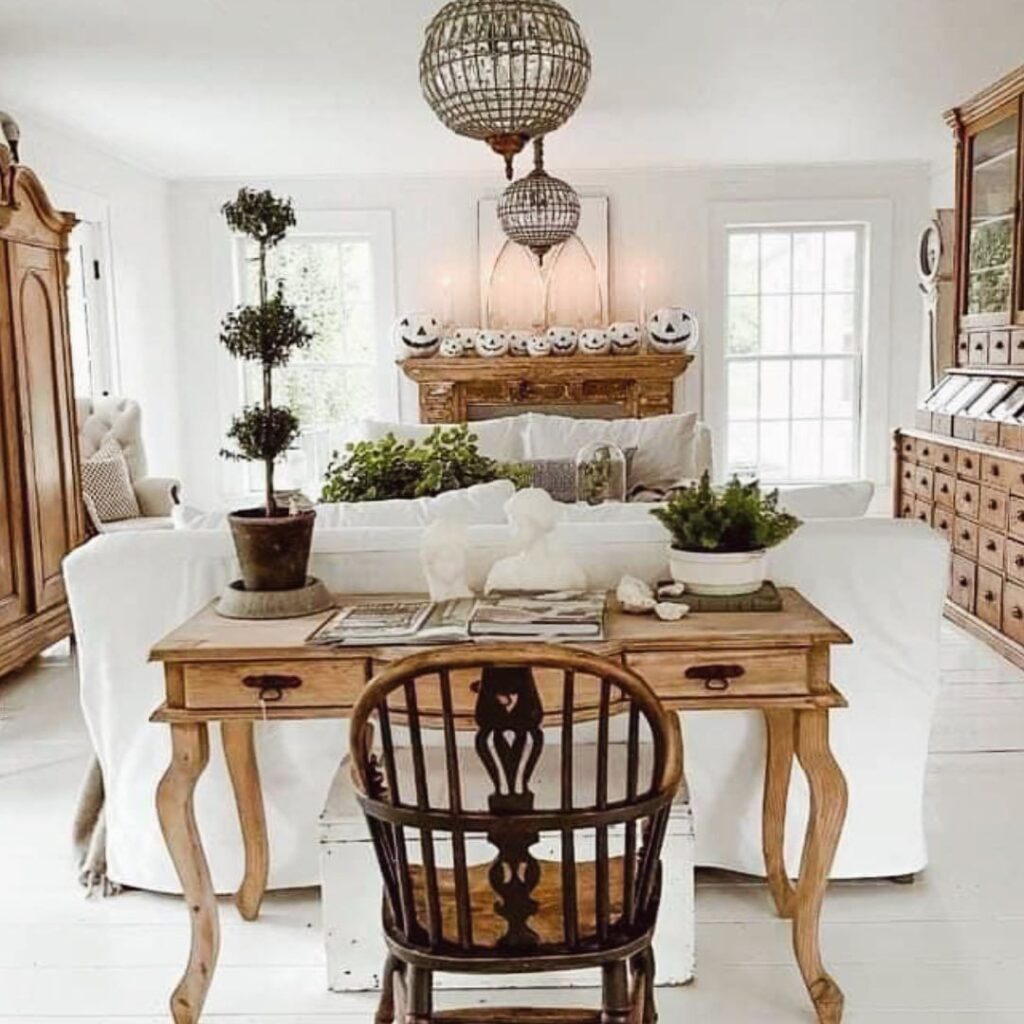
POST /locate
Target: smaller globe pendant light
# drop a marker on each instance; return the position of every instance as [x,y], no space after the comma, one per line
[539,211]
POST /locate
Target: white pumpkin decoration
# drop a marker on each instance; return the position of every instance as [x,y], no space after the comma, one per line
[594,341]
[517,342]
[625,337]
[563,340]
[538,345]
[467,337]
[452,348]
[491,344]
[672,329]
[418,334]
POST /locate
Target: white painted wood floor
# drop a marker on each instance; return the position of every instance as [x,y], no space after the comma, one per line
[947,950]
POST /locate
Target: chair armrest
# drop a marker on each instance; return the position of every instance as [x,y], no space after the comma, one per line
[157,495]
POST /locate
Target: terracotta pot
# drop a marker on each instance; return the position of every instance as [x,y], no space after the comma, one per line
[273,551]
[724,574]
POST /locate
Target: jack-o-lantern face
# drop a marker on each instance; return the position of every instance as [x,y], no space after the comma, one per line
[538,345]
[466,336]
[491,343]
[517,342]
[672,329]
[451,348]
[563,340]
[625,337]
[594,342]
[419,334]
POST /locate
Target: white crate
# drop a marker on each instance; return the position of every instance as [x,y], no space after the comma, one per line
[352,902]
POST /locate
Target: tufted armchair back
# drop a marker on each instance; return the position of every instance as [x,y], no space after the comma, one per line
[108,416]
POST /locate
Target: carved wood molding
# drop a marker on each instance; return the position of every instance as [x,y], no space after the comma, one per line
[985,102]
[26,213]
[637,386]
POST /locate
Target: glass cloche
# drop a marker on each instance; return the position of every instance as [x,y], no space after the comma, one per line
[600,473]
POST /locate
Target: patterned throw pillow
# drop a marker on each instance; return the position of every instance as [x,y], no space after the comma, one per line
[108,485]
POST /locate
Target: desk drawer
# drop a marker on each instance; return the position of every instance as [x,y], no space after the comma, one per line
[1015,517]
[962,580]
[997,472]
[989,605]
[968,464]
[944,457]
[967,498]
[945,489]
[923,483]
[993,508]
[1015,560]
[965,537]
[991,548]
[942,521]
[283,684]
[908,447]
[732,674]
[1013,611]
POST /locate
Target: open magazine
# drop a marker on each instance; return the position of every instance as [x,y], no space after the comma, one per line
[523,616]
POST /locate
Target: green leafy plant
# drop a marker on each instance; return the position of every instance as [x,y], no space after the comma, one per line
[266,333]
[446,460]
[737,517]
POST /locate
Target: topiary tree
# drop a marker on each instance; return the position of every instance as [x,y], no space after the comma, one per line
[266,333]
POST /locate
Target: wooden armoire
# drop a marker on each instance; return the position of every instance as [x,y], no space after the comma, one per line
[41,515]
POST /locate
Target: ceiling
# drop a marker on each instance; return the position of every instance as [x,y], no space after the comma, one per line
[200,88]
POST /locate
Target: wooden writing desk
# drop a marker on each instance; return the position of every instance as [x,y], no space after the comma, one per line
[237,672]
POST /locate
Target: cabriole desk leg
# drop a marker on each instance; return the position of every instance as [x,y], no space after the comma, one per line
[827,814]
[780,725]
[240,753]
[174,803]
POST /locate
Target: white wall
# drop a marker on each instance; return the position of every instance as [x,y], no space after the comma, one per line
[132,205]
[659,220]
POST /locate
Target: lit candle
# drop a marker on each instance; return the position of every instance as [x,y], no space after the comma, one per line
[447,302]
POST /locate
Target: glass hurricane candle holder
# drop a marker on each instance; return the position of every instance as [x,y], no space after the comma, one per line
[600,473]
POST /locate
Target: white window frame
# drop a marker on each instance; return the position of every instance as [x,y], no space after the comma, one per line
[377,227]
[874,216]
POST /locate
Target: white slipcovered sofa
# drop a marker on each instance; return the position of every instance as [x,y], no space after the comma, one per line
[128,590]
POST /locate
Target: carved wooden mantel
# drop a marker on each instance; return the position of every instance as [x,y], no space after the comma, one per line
[456,390]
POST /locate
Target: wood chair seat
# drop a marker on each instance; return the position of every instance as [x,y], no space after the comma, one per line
[547,922]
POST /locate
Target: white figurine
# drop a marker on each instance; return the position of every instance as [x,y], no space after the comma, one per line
[443,557]
[672,329]
[594,342]
[467,336]
[625,336]
[491,344]
[538,345]
[518,342]
[451,348]
[539,564]
[418,334]
[563,340]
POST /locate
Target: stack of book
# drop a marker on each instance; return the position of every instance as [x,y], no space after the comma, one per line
[577,615]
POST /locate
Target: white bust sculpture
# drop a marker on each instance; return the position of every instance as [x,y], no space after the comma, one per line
[443,555]
[537,565]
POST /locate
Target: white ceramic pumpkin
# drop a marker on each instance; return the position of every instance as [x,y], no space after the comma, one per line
[418,335]
[563,340]
[625,336]
[594,341]
[538,345]
[491,344]
[517,342]
[672,329]
[451,348]
[467,337]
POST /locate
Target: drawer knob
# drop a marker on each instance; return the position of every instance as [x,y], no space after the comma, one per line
[989,596]
[943,524]
[967,497]
[969,463]
[962,581]
[994,471]
[922,516]
[965,534]
[924,481]
[271,686]
[999,346]
[926,452]
[1016,612]
[1019,561]
[1020,515]
[945,458]
[990,545]
[993,504]
[715,677]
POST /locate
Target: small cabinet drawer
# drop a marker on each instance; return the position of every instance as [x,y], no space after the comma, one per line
[923,482]
[989,600]
[979,348]
[907,476]
[944,457]
[993,508]
[288,684]
[944,489]
[963,350]
[1015,517]
[1015,560]
[966,498]
[924,452]
[997,472]
[998,348]
[1013,611]
[908,448]
[700,675]
[991,548]
[965,537]
[906,505]
[962,581]
[968,465]
[942,522]
[1015,474]
[1017,347]
[923,511]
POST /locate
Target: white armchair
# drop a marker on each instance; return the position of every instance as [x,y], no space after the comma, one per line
[121,419]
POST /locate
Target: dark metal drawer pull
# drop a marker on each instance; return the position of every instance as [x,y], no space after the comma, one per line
[1019,561]
[1016,612]
[715,677]
[990,545]
[989,596]
[994,471]
[993,504]
[272,687]
[962,581]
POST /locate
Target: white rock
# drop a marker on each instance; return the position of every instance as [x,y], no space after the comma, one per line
[635,596]
[672,590]
[669,611]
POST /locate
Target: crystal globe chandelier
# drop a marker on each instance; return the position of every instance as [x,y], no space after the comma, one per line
[539,211]
[504,71]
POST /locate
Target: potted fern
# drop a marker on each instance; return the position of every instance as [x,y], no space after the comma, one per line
[272,542]
[721,537]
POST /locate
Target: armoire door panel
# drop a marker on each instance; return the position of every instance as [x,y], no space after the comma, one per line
[39,333]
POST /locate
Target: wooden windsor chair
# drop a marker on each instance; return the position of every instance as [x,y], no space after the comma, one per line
[486,773]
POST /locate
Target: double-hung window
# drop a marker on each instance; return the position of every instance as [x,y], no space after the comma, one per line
[336,270]
[793,350]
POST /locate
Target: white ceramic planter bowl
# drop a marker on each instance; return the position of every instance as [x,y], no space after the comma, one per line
[709,572]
